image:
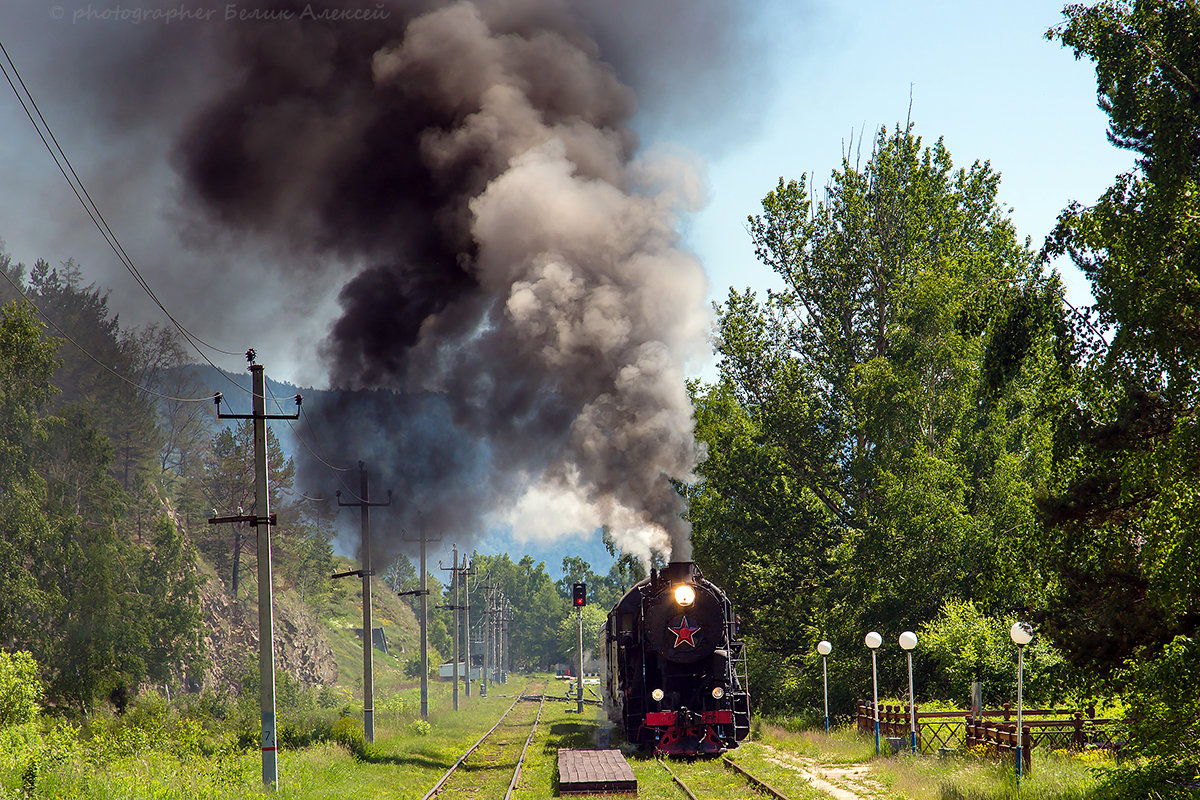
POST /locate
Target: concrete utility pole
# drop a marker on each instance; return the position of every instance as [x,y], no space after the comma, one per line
[486,624]
[493,620]
[424,620]
[262,520]
[503,654]
[508,620]
[424,633]
[364,505]
[502,630]
[467,573]
[454,606]
[454,580]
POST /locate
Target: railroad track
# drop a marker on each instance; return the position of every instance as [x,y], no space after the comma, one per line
[745,774]
[503,742]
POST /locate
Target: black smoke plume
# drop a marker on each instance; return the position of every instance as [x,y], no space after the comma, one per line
[511,342]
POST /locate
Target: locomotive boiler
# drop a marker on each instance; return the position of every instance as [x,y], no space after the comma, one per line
[675,669]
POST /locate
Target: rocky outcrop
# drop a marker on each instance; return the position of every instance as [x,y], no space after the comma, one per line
[231,640]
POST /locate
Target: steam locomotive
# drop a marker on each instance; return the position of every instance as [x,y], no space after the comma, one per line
[675,670]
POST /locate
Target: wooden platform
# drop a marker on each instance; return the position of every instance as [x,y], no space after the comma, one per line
[594,772]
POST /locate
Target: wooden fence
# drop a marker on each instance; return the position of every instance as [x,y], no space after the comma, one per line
[1047,728]
[999,739]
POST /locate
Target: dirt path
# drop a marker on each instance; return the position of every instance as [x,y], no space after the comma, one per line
[842,783]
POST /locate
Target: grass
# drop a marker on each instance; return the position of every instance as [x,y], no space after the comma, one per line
[343,613]
[402,763]
[841,746]
[771,764]
[1054,776]
[182,759]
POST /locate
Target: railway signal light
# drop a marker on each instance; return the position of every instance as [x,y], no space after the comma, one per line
[579,594]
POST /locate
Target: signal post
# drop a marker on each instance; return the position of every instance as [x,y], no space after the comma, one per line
[579,598]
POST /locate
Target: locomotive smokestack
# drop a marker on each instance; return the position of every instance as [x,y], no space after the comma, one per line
[680,571]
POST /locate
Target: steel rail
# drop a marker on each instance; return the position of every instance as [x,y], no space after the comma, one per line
[677,780]
[759,782]
[512,785]
[437,787]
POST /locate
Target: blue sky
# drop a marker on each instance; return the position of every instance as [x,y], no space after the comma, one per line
[980,75]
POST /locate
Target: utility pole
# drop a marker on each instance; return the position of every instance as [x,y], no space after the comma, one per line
[454,570]
[424,632]
[364,505]
[262,520]
[486,624]
[467,573]
[501,631]
[454,593]
[424,594]
[500,605]
[508,620]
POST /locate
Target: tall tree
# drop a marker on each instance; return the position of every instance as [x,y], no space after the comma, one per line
[537,614]
[27,363]
[1121,537]
[872,439]
[123,414]
[96,609]
[228,484]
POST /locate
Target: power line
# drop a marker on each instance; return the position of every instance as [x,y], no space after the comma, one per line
[85,351]
[297,493]
[90,207]
[308,422]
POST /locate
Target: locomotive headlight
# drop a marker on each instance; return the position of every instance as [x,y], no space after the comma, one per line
[718,692]
[657,694]
[685,595]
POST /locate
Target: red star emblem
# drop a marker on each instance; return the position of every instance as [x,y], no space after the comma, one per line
[684,633]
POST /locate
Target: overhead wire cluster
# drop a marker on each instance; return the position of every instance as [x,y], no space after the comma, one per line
[33,111]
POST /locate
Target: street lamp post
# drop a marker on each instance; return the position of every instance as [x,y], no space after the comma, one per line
[825,648]
[908,640]
[873,640]
[1021,634]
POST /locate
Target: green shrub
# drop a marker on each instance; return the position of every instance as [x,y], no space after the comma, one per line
[215,705]
[149,711]
[59,744]
[187,738]
[331,697]
[298,730]
[1163,716]
[396,704]
[108,740]
[20,688]
[348,732]
[965,644]
[420,727]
